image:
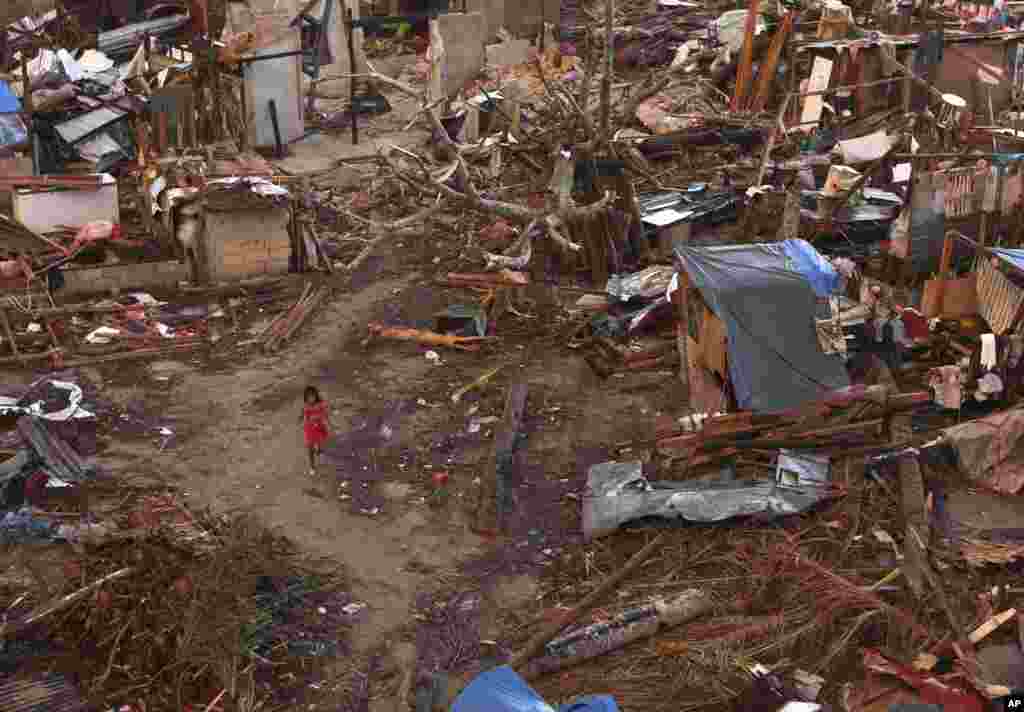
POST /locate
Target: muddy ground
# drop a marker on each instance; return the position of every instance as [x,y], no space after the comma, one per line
[372,506]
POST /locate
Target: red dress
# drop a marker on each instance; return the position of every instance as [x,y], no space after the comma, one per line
[315,424]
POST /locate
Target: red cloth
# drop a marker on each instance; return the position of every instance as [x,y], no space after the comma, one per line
[315,424]
[35,488]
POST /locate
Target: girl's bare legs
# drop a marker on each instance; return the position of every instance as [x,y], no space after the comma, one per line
[313,452]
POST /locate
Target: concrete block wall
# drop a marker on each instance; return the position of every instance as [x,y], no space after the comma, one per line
[464,36]
[246,243]
[141,276]
[526,18]
[493,12]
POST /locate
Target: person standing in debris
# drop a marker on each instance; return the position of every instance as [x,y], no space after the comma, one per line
[314,425]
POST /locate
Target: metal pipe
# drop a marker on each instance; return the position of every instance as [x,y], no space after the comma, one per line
[275,55]
[277,129]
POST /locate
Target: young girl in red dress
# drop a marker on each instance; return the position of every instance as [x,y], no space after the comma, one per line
[314,425]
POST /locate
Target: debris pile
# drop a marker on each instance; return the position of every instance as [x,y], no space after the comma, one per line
[807,216]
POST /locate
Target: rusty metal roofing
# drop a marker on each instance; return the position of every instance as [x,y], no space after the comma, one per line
[40,693]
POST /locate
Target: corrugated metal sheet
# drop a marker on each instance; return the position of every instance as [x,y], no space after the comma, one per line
[81,126]
[999,300]
[40,693]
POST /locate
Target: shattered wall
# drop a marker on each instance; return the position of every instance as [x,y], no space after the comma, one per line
[247,243]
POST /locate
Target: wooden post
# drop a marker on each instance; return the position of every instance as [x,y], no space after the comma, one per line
[745,68]
[352,70]
[9,332]
[27,106]
[907,84]
[679,299]
[769,65]
[162,140]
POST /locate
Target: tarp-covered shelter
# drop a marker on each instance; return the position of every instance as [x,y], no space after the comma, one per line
[765,296]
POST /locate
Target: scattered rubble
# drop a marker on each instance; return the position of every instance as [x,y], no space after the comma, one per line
[808,215]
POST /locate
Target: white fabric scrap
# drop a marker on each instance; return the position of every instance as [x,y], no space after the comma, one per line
[71,67]
[866,148]
[258,185]
[8,406]
[146,299]
[672,286]
[102,335]
[988,351]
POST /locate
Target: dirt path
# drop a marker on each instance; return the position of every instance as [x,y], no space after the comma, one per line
[246,453]
[240,448]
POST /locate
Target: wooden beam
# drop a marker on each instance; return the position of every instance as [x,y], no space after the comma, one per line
[770,64]
[495,494]
[745,68]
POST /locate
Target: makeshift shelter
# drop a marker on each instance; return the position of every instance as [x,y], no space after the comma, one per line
[750,313]
[992,290]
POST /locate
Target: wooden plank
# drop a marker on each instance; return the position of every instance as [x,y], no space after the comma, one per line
[495,494]
[746,63]
[766,74]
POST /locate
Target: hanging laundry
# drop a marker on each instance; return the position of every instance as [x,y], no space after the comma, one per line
[959,195]
[1016,350]
[989,386]
[927,220]
[988,351]
[1018,66]
[1012,185]
[929,50]
[990,189]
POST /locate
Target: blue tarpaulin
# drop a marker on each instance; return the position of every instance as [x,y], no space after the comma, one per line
[502,690]
[813,265]
[765,294]
[12,129]
[9,103]
[1014,257]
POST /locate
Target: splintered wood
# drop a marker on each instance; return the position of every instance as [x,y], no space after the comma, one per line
[915,513]
[496,497]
